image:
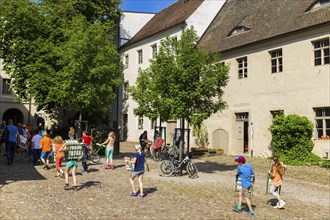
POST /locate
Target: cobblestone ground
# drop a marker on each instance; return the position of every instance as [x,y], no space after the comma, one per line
[29,192]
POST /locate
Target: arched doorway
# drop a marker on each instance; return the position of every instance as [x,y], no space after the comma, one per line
[14,114]
[220,140]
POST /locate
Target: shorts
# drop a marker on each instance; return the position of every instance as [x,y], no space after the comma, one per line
[245,192]
[109,153]
[72,163]
[138,173]
[45,155]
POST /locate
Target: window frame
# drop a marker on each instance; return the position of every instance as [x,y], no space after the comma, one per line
[125,90]
[324,118]
[154,51]
[126,60]
[277,57]
[321,46]
[140,56]
[242,65]
[140,122]
[5,90]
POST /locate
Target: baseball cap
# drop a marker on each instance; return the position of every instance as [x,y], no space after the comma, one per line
[240,159]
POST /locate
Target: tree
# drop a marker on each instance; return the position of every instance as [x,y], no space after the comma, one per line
[61,53]
[181,82]
[291,139]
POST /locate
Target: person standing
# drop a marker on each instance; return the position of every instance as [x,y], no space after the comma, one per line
[87,140]
[58,144]
[36,147]
[11,144]
[276,175]
[138,160]
[143,139]
[71,133]
[109,150]
[46,149]
[246,173]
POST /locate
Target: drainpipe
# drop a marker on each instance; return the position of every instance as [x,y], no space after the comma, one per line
[251,139]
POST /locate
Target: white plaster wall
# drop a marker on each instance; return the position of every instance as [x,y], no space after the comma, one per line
[204,14]
[298,89]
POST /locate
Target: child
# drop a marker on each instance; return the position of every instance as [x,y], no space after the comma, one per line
[276,173]
[58,144]
[87,140]
[245,171]
[138,161]
[109,151]
[46,149]
[74,154]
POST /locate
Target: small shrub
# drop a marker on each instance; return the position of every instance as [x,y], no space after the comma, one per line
[202,136]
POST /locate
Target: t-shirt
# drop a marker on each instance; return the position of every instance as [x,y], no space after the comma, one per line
[57,147]
[87,139]
[45,144]
[158,144]
[277,180]
[139,163]
[13,130]
[36,141]
[245,172]
[111,143]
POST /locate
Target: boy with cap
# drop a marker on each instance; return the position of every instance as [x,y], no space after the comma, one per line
[245,171]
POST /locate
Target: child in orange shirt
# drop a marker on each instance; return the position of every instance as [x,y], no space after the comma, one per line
[45,145]
[58,144]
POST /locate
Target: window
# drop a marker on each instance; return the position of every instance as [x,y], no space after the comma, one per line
[154,50]
[238,30]
[140,122]
[126,61]
[140,56]
[6,86]
[125,92]
[242,67]
[276,61]
[322,122]
[321,52]
[319,4]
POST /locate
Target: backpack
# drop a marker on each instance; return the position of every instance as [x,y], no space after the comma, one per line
[281,170]
[5,135]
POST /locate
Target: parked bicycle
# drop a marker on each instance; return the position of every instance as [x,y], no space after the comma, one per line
[172,166]
[165,153]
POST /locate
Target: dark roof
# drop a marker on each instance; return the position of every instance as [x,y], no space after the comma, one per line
[169,17]
[264,19]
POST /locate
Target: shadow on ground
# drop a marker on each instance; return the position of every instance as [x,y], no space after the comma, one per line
[211,167]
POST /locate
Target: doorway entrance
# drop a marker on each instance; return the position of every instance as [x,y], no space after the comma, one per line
[14,114]
[242,128]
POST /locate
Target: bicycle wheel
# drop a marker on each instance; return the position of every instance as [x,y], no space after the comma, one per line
[165,168]
[95,158]
[156,156]
[192,170]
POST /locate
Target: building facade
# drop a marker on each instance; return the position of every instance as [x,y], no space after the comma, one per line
[144,45]
[278,52]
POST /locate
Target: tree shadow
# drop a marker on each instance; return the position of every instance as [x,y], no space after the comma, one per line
[90,184]
[211,167]
[21,169]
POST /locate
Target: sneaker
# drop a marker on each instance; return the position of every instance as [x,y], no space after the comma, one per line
[67,187]
[250,213]
[75,188]
[106,166]
[277,205]
[237,208]
[281,204]
[133,194]
[112,167]
[141,196]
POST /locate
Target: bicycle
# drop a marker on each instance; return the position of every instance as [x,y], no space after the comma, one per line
[93,155]
[164,153]
[172,166]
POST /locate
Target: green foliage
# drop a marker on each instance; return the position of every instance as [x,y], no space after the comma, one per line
[61,53]
[181,82]
[202,136]
[291,139]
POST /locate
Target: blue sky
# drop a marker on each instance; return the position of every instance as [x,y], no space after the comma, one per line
[146,5]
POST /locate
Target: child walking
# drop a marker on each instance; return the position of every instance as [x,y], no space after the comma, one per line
[138,160]
[245,171]
[58,144]
[276,175]
[109,150]
[46,150]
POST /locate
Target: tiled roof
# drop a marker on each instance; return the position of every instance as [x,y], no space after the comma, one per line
[169,17]
[264,19]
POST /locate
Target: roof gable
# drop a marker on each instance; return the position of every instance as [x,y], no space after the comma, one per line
[169,17]
[264,19]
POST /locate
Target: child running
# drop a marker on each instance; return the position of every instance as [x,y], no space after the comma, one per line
[58,144]
[276,175]
[138,161]
[109,151]
[245,171]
